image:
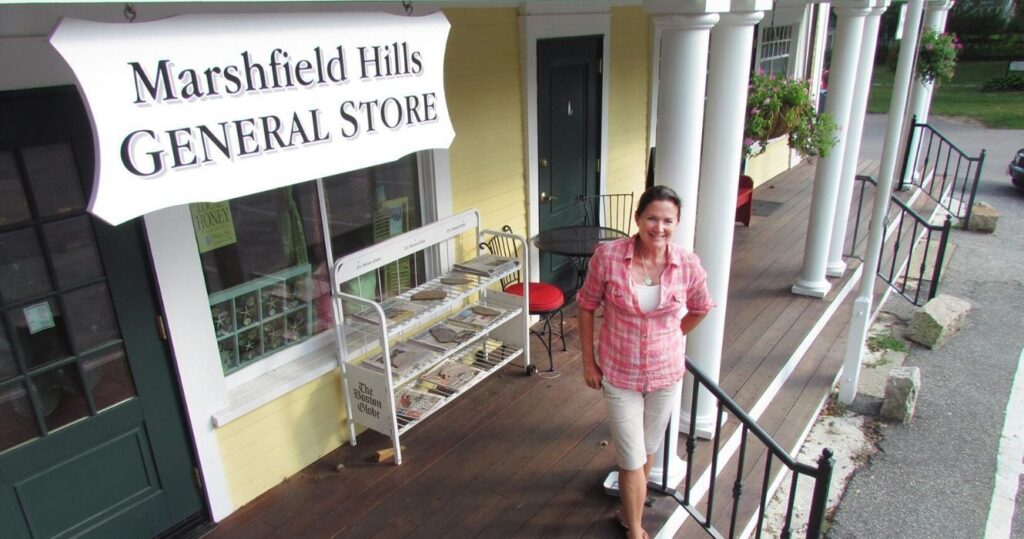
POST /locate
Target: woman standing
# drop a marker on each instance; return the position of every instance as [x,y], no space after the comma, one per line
[654,293]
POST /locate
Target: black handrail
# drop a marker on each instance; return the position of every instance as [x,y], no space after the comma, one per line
[921,169]
[821,473]
[900,247]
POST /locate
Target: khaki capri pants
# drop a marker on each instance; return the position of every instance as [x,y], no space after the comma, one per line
[638,421]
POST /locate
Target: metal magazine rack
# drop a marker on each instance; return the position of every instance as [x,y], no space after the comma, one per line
[444,334]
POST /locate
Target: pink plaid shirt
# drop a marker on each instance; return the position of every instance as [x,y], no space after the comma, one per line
[637,350]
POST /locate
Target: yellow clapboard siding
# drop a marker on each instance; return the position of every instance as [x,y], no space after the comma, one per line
[484,167]
[628,110]
[263,448]
[484,93]
[305,409]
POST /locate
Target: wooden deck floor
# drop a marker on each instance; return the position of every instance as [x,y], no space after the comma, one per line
[523,456]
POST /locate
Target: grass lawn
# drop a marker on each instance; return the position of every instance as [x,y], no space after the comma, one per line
[962,96]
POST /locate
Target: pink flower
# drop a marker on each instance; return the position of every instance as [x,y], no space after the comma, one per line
[747,141]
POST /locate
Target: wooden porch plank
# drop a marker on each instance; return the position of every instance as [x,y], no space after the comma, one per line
[444,478]
[526,453]
[428,443]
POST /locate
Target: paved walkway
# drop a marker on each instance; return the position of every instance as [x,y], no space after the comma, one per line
[937,476]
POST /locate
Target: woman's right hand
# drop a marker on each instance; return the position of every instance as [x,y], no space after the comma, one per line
[592,374]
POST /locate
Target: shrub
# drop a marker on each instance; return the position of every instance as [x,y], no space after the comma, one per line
[1011,82]
[969,18]
[994,47]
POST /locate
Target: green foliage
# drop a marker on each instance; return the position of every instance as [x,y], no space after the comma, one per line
[778,105]
[1009,46]
[936,56]
[877,343]
[962,97]
[1011,82]
[967,18]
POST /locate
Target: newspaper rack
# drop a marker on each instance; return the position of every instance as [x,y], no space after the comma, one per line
[379,397]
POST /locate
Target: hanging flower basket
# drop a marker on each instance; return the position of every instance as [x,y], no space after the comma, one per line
[779,126]
[936,56]
[779,106]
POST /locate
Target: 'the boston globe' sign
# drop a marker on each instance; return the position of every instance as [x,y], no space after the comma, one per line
[207,108]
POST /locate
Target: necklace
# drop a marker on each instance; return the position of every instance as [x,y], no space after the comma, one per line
[648,281]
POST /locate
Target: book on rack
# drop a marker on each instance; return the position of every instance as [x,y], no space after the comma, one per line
[477,316]
[487,265]
[456,278]
[429,297]
[443,336]
[405,358]
[414,404]
[451,374]
[396,311]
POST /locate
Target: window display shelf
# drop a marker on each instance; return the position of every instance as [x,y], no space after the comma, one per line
[404,358]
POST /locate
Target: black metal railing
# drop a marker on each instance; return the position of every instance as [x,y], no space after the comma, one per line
[942,170]
[821,474]
[913,240]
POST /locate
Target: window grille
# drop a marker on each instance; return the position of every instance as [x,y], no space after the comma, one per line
[776,42]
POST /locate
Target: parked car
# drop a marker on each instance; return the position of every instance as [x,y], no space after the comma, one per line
[1016,169]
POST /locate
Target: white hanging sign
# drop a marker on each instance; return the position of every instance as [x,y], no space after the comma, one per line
[207,108]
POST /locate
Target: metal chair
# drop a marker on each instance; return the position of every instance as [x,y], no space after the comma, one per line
[546,300]
[610,211]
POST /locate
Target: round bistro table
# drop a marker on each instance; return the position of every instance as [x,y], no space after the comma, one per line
[577,242]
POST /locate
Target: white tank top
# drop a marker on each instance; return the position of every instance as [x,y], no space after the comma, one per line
[649,297]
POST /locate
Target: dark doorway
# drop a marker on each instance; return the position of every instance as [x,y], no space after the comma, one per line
[568,138]
[92,436]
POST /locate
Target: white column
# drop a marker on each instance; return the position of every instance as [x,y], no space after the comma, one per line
[862,305]
[732,39]
[836,265]
[920,91]
[845,53]
[680,121]
[684,65]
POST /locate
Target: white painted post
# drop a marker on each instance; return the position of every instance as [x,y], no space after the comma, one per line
[845,54]
[684,64]
[680,123]
[862,305]
[836,265]
[732,40]
[920,91]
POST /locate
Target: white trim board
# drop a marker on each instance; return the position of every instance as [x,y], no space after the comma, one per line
[182,291]
[534,27]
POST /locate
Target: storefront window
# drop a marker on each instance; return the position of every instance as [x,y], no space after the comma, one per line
[265,264]
[369,206]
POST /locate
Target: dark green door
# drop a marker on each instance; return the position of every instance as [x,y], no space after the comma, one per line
[92,438]
[568,138]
